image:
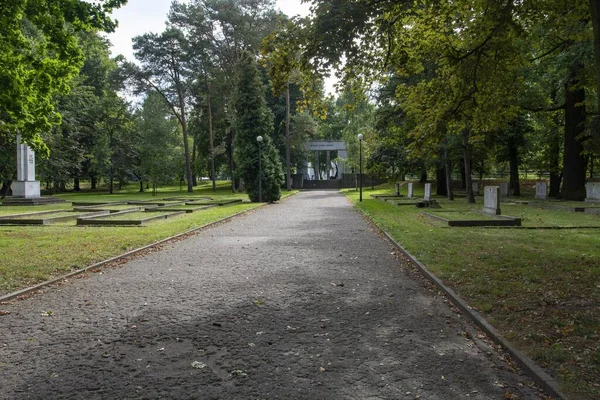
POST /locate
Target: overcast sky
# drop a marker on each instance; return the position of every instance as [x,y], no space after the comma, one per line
[141,16]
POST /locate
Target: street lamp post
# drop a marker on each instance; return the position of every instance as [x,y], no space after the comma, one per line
[259,139]
[360,140]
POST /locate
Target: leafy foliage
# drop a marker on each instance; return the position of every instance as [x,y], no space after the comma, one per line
[40,55]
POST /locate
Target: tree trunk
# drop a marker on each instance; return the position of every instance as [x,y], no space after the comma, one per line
[463,178]
[194,164]
[595,14]
[554,163]
[93,182]
[574,163]
[211,142]
[76,185]
[5,188]
[110,182]
[467,157]
[186,145]
[513,155]
[423,178]
[448,170]
[141,186]
[440,181]
[288,145]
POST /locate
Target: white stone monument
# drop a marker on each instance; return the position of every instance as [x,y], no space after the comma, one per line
[25,187]
[491,196]
[541,190]
[592,190]
[410,190]
[427,192]
[504,186]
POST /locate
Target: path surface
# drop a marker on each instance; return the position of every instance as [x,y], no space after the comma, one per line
[298,300]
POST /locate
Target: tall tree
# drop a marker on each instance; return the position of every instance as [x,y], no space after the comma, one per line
[254,119]
[165,68]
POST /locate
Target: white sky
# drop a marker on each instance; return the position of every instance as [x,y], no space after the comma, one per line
[140,16]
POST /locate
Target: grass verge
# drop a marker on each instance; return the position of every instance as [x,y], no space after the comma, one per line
[539,286]
[32,254]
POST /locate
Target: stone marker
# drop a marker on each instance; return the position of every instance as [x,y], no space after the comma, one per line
[504,189]
[410,190]
[396,189]
[541,190]
[25,186]
[592,192]
[475,187]
[427,192]
[491,196]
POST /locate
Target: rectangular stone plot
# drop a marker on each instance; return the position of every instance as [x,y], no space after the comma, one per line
[127,218]
[46,218]
[213,202]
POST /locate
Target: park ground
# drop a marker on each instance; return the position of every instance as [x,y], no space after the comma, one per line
[539,284]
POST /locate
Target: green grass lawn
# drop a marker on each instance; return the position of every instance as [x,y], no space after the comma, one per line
[539,287]
[31,254]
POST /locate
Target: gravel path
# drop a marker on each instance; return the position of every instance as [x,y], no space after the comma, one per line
[298,300]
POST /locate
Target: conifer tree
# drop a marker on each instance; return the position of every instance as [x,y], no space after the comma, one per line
[253,119]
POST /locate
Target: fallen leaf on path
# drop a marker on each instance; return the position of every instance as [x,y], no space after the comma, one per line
[198,365]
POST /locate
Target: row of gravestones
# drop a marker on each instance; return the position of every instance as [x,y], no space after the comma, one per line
[541,190]
[592,191]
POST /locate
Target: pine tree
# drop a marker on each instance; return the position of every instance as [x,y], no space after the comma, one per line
[253,119]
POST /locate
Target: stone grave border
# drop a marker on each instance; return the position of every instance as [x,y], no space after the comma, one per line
[404,201]
[494,220]
[174,208]
[112,219]
[589,208]
[213,202]
[112,211]
[11,220]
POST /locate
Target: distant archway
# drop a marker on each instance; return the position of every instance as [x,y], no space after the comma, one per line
[311,172]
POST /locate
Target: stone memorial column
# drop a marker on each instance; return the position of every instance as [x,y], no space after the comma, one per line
[410,190]
[491,196]
[427,192]
[25,186]
[541,190]
[592,191]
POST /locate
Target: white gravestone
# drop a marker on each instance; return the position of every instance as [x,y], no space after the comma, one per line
[592,192]
[504,189]
[541,190]
[475,187]
[491,196]
[410,190]
[427,192]
[396,189]
[25,186]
